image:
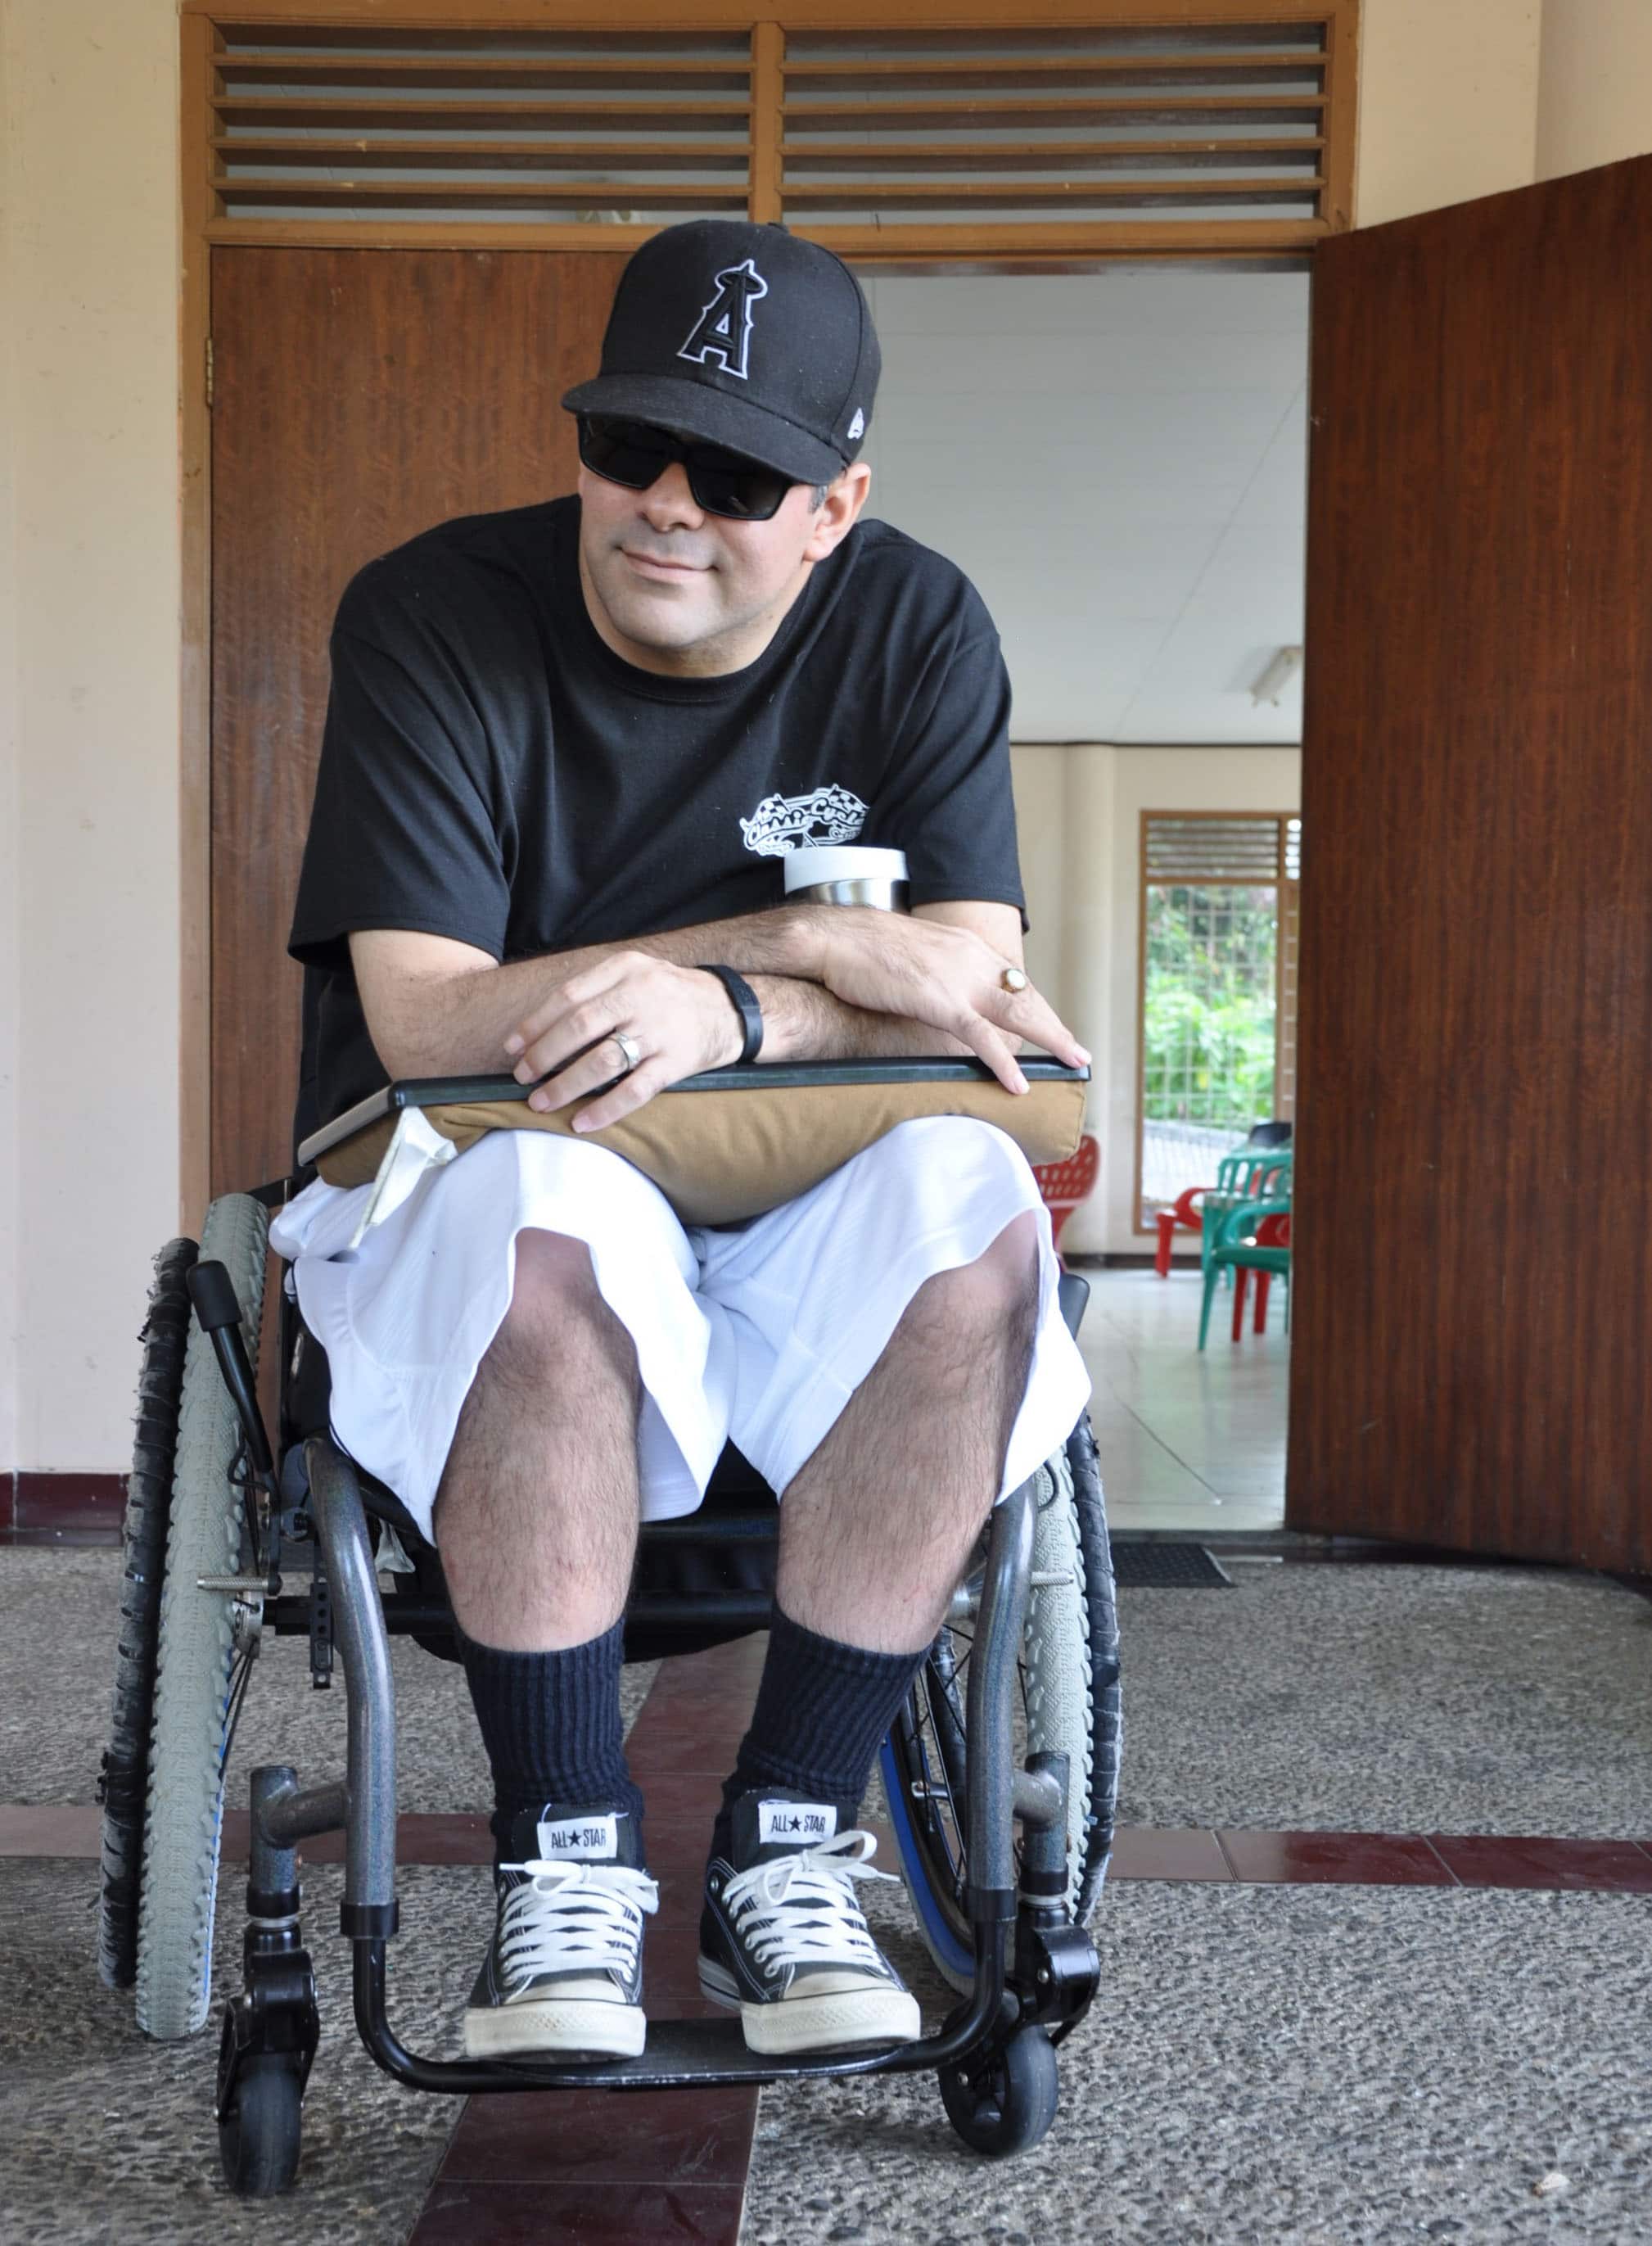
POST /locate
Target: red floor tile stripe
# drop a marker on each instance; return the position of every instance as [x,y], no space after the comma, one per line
[683,1803]
[579,2213]
[1493,1859]
[649,2165]
[1362,1859]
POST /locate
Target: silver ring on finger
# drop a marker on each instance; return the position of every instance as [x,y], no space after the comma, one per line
[631,1051]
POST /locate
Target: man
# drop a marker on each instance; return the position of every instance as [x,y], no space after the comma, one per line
[566,748]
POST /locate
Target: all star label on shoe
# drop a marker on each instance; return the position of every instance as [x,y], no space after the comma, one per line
[796,1824]
[589,1837]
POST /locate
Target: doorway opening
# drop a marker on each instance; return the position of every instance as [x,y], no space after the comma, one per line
[1118,460]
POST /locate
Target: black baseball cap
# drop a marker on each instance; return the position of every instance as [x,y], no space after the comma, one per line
[744,335]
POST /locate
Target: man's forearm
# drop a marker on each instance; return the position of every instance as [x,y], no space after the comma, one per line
[456,1024]
[803,1022]
[782,955]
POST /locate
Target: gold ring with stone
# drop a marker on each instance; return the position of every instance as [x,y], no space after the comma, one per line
[1013,979]
[631,1051]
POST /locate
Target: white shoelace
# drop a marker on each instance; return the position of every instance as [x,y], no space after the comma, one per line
[570,1917]
[801,1909]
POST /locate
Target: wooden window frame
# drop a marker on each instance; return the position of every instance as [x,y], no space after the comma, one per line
[1286,891]
[1053,246]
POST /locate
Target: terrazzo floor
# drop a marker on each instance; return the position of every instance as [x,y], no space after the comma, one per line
[1330,2065]
[1279,2067]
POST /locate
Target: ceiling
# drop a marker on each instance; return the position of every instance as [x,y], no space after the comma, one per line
[1118,460]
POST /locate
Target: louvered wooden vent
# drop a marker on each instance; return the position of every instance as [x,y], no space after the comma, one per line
[1219,847]
[450,127]
[915,141]
[1080,127]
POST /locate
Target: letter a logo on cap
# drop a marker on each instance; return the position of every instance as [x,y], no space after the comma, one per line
[724,327]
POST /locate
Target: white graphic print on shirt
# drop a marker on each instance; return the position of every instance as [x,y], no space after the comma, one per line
[782,823]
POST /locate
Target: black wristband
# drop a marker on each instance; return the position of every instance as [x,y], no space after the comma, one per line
[745,999]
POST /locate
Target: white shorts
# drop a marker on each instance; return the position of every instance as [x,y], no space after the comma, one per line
[762,1333]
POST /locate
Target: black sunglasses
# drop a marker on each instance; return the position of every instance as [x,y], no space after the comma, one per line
[637,454]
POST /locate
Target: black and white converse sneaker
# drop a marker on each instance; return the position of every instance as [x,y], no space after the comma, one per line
[782,1935]
[563,1974]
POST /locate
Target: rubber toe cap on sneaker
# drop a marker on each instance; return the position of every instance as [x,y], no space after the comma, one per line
[559,2028]
[828,2022]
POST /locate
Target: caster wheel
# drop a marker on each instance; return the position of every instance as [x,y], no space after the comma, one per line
[258,2137]
[1004,2098]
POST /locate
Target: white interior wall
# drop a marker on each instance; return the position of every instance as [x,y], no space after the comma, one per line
[1040,780]
[89,657]
[1080,809]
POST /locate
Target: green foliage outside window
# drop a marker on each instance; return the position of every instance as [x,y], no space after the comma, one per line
[1208,1025]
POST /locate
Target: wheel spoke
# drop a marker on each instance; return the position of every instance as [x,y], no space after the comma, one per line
[240,1677]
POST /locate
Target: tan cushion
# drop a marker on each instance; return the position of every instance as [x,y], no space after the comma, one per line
[721,1156]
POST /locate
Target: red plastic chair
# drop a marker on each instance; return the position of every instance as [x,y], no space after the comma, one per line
[1185,1218]
[1272,1232]
[1064,1185]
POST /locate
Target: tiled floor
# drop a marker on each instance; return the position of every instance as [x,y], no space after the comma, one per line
[1189,1439]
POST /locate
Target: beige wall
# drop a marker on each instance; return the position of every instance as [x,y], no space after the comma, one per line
[10,915]
[1460,98]
[90,604]
[1595,103]
[1447,103]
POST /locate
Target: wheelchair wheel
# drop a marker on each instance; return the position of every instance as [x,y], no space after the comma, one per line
[126,1762]
[1070,1705]
[258,2138]
[1004,2098]
[199,1667]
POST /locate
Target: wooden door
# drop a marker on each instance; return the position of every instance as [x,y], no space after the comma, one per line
[359,396]
[1474,1183]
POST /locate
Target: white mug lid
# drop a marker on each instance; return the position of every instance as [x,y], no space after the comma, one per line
[814,862]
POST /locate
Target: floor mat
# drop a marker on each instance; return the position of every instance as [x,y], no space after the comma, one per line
[1167,1567]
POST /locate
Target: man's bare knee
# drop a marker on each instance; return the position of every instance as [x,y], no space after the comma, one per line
[553,1278]
[537,1510]
[997,1293]
[557,1306]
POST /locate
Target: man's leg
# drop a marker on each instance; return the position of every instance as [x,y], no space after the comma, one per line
[875,1529]
[537,1511]
[536,1518]
[875,1534]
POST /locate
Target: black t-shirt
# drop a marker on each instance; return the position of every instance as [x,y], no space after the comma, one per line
[493,772]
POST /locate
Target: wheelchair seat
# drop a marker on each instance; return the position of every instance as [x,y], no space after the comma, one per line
[701,1580]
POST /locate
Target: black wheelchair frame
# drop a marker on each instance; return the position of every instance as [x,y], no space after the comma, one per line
[1035,1971]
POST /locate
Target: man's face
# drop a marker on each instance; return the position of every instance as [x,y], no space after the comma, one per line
[677,590]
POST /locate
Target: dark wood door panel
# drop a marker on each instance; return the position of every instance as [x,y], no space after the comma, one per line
[1474,1219]
[360,396]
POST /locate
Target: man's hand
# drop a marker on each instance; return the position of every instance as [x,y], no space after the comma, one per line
[679,1018]
[949,977]
[835,982]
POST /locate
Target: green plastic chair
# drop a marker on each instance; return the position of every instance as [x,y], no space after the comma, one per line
[1241,1178]
[1234,1243]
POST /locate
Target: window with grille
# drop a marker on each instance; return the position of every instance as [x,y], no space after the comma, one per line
[1218,1012]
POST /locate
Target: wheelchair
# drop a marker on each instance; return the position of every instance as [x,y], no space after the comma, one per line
[1001,1770]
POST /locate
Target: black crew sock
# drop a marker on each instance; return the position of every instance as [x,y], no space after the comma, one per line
[551,1724]
[822,1709]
